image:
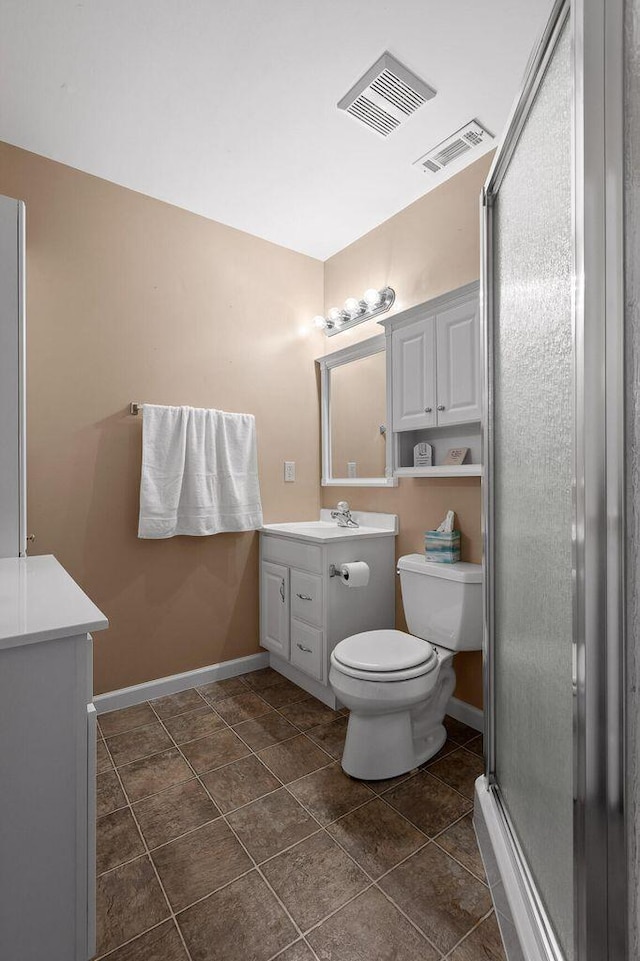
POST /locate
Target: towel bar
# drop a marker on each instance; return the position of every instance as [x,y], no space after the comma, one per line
[134,408]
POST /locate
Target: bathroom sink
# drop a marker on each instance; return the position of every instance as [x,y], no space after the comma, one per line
[328,530]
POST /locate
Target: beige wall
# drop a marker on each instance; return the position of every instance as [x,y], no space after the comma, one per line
[425,250]
[133,299]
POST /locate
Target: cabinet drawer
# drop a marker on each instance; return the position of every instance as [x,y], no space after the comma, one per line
[306,597]
[307,649]
[283,550]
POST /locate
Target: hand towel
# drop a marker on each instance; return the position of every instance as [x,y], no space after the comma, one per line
[199,472]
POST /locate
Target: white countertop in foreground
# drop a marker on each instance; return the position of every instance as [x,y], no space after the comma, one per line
[39,601]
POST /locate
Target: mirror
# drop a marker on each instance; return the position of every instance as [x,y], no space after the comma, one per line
[355,415]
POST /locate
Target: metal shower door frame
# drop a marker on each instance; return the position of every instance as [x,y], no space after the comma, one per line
[600,903]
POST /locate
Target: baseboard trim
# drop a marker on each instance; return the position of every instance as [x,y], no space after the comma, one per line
[127,696]
[466,713]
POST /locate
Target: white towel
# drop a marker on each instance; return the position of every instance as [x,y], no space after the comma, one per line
[199,472]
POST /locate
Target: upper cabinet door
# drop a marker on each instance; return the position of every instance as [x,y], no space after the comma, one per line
[414,375]
[458,349]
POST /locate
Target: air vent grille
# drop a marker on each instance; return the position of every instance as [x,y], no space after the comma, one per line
[386,96]
[469,137]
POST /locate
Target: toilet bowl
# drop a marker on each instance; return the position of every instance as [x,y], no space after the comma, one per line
[396,685]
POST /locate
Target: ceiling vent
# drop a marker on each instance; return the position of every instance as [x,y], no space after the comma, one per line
[386,95]
[467,138]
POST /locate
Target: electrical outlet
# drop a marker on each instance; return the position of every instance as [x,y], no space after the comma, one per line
[352,469]
[289,471]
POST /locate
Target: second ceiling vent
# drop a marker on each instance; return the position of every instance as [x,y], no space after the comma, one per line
[386,95]
[469,137]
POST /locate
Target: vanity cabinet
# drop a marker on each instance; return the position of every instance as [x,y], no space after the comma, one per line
[47,763]
[305,610]
[435,350]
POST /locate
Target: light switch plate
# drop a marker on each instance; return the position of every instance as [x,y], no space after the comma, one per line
[289,471]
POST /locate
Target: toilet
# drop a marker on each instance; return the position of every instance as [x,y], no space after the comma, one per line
[397,685]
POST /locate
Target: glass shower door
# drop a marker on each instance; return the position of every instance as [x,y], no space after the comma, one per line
[532,471]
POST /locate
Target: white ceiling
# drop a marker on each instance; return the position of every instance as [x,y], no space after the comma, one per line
[228,107]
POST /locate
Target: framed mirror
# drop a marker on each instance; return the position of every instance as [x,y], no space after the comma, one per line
[356,416]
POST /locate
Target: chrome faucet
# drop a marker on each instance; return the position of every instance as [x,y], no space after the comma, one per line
[342,515]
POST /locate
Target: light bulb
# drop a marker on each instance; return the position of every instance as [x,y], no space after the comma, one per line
[372,297]
[319,322]
[335,315]
[352,306]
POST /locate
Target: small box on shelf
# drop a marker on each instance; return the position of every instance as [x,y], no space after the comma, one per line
[443,547]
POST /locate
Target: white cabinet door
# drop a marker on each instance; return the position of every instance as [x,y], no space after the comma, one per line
[458,349]
[414,375]
[274,608]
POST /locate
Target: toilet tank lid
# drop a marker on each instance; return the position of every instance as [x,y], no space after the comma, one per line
[462,571]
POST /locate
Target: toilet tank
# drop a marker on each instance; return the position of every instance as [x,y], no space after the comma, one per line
[442,602]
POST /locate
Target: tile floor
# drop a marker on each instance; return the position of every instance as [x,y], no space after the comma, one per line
[227,831]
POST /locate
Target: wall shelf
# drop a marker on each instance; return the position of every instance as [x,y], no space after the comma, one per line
[444,470]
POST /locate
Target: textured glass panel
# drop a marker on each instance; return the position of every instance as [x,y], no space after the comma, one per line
[533,505]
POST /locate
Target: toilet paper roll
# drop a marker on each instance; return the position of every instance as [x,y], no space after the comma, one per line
[355,574]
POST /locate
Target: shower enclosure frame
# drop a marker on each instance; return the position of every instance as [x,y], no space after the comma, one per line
[599,843]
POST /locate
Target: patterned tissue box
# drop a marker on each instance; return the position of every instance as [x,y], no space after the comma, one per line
[442,546]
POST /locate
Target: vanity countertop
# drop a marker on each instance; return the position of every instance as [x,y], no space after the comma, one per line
[326,529]
[39,601]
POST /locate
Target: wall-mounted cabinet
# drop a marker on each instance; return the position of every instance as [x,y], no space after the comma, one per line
[436,388]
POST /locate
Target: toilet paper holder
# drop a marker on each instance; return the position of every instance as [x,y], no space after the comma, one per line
[334,570]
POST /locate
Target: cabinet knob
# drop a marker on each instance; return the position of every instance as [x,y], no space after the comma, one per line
[307,650]
[304,597]
[282,590]
[428,410]
[440,406]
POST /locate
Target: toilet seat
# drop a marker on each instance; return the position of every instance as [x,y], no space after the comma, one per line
[384,656]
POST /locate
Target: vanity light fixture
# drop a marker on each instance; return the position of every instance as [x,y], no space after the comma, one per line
[355,311]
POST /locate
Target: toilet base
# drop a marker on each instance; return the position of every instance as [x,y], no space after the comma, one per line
[385,745]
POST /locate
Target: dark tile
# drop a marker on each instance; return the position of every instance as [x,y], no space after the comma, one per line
[459,770]
[141,742]
[476,745]
[457,731]
[103,761]
[259,680]
[266,730]
[198,723]
[117,840]
[179,809]
[330,793]
[162,943]
[427,803]
[199,863]
[460,842]
[294,758]
[439,895]
[483,944]
[239,783]
[331,736]
[117,722]
[383,785]
[207,753]
[216,690]
[297,952]
[446,748]
[308,713]
[173,704]
[109,794]
[271,824]
[242,922]
[153,774]
[241,707]
[313,879]
[129,900]
[377,837]
[369,929]
[282,692]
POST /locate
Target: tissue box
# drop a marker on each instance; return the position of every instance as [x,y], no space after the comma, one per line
[442,547]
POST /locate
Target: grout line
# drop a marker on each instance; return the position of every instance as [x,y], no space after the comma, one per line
[468,934]
[464,866]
